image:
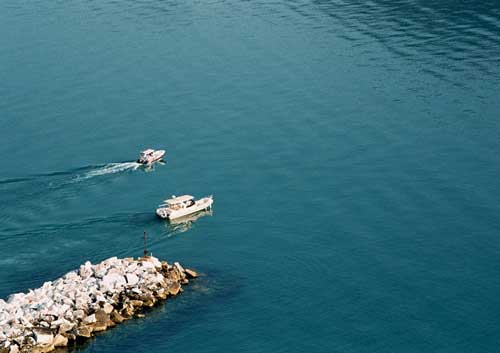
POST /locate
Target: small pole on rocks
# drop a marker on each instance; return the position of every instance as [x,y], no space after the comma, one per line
[146,251]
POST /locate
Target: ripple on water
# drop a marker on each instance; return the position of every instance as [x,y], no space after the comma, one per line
[446,37]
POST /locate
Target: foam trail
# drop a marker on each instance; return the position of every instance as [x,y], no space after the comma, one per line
[110,168]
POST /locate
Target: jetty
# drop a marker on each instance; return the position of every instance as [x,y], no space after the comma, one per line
[88,300]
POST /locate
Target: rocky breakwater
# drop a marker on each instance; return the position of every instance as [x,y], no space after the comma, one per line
[86,301]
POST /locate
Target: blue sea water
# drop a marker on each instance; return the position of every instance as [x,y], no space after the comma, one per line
[352,148]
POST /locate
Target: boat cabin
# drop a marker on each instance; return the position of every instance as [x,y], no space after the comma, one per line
[177,202]
[146,153]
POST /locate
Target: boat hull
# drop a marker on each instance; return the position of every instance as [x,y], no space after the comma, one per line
[199,205]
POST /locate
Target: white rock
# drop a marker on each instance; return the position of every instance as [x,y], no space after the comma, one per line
[79,314]
[108,308]
[60,341]
[62,325]
[132,279]
[43,336]
[90,319]
[156,263]
[179,267]
[132,267]
[59,306]
[86,270]
[112,281]
[15,298]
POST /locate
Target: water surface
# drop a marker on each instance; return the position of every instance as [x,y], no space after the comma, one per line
[351,147]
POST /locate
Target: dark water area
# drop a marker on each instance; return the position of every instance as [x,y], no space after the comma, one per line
[351,148]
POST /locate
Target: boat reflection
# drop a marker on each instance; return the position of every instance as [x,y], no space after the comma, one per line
[183,224]
[150,167]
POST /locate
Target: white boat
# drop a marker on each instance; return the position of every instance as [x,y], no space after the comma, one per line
[191,218]
[181,206]
[150,156]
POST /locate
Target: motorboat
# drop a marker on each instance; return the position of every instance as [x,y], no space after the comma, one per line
[150,156]
[181,206]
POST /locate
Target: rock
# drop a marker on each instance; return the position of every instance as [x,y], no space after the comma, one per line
[136,303]
[174,288]
[102,320]
[90,319]
[70,336]
[84,331]
[42,349]
[112,281]
[43,336]
[191,273]
[79,314]
[60,341]
[5,347]
[179,267]
[86,270]
[91,299]
[108,308]
[132,279]
[161,294]
[116,317]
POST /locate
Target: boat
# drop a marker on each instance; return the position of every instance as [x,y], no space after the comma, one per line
[150,156]
[191,218]
[181,206]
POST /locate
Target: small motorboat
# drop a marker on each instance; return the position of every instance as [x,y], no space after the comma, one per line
[150,156]
[181,206]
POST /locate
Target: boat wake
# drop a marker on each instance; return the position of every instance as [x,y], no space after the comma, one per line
[110,168]
[35,196]
[78,174]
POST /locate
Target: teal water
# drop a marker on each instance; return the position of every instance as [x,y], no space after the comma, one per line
[351,147]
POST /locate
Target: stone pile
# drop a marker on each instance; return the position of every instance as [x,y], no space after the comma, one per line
[85,301]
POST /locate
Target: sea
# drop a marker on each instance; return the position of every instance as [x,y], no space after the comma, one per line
[351,147]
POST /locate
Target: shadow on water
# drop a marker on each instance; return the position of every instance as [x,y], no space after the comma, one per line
[176,315]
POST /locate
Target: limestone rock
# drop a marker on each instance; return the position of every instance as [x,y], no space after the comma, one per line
[88,300]
[108,308]
[116,317]
[43,336]
[132,279]
[174,288]
[90,319]
[191,273]
[179,267]
[60,341]
[102,320]
[84,331]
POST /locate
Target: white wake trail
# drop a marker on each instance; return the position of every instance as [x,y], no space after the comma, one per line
[110,168]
